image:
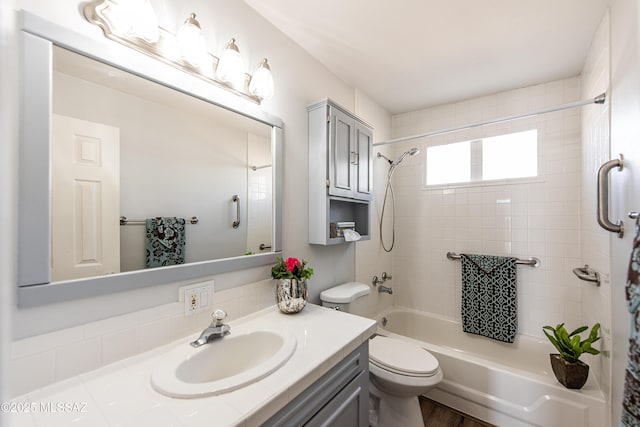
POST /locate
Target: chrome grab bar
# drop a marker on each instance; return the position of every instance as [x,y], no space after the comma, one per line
[533,261]
[603,196]
[236,200]
[587,274]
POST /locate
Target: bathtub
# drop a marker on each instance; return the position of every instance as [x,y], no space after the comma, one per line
[504,384]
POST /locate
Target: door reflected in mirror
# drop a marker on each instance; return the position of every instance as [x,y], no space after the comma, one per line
[125,146]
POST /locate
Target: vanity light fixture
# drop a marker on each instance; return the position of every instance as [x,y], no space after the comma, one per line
[134,18]
[133,23]
[261,84]
[191,44]
[231,66]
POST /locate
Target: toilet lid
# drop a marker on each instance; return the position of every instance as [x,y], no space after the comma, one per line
[401,357]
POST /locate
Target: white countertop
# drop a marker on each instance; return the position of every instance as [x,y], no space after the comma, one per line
[120,394]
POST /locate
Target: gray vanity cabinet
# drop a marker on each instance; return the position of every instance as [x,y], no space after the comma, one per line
[340,398]
[340,172]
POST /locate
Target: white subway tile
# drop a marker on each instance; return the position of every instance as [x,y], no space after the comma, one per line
[113,324]
[48,341]
[31,372]
[119,345]
[161,312]
[77,358]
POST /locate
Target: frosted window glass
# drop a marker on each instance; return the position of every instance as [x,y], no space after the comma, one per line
[449,163]
[510,156]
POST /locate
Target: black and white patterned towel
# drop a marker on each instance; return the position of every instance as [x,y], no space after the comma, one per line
[489,298]
[631,399]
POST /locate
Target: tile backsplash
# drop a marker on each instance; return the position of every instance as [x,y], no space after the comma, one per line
[44,359]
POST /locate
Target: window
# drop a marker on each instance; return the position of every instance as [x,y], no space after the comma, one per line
[449,163]
[509,156]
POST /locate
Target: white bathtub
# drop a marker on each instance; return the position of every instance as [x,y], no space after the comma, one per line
[504,384]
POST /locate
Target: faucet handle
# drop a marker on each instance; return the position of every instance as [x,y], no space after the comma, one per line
[218,316]
[385,276]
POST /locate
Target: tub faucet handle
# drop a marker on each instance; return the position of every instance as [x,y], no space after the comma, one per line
[385,276]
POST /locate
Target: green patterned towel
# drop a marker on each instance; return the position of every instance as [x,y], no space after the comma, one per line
[165,241]
[489,296]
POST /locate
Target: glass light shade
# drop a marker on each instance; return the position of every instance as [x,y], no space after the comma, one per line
[230,65]
[261,84]
[191,44]
[136,18]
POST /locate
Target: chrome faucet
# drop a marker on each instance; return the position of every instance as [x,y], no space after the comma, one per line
[386,289]
[216,329]
[375,282]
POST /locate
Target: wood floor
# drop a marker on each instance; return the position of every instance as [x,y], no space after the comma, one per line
[436,415]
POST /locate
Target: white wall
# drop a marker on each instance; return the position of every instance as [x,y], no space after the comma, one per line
[594,241]
[625,134]
[535,219]
[8,189]
[299,79]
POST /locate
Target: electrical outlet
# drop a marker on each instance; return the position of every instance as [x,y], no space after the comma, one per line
[196,297]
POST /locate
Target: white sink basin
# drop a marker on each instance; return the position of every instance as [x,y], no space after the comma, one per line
[222,365]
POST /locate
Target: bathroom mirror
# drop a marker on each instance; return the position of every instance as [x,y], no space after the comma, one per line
[111,139]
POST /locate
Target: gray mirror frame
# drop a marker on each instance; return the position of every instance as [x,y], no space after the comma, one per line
[38,37]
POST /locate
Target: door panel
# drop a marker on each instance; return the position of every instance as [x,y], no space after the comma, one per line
[341,146]
[364,140]
[85,205]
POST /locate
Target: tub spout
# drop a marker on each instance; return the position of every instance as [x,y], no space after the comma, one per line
[386,289]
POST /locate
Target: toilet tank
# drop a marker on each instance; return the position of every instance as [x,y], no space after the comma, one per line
[348,297]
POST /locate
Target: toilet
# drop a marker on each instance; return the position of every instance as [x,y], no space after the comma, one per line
[399,371]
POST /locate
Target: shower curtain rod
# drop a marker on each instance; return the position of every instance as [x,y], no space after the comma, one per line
[600,99]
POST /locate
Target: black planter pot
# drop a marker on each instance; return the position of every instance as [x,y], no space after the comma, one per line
[571,375]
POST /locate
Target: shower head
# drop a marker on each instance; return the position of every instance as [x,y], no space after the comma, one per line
[411,152]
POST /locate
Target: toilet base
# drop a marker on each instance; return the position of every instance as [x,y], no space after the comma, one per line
[394,411]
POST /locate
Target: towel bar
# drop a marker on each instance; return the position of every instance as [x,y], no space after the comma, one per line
[125,221]
[533,261]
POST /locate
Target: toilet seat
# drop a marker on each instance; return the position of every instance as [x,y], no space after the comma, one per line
[401,357]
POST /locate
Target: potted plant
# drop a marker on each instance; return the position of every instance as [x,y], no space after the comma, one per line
[568,369]
[291,289]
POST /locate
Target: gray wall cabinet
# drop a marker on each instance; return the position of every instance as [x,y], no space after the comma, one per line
[340,173]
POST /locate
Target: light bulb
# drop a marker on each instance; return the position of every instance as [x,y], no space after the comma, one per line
[230,66]
[261,84]
[138,19]
[191,44]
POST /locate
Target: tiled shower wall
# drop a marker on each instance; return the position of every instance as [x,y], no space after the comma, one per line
[594,241]
[535,218]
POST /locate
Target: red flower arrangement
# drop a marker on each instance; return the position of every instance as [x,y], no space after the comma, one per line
[292,268]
